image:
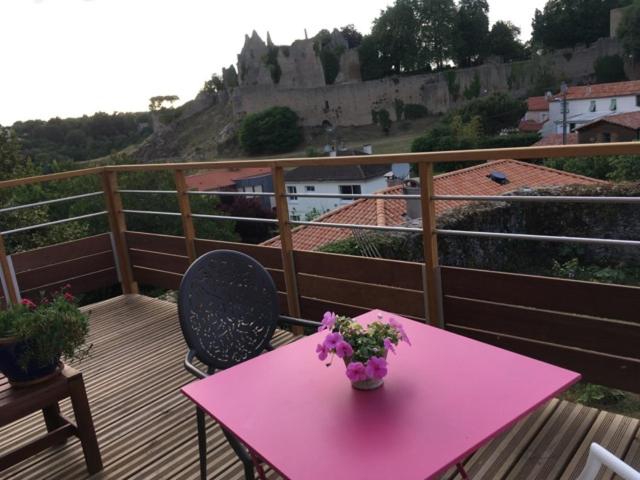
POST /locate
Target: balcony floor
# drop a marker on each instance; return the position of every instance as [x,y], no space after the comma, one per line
[146,429]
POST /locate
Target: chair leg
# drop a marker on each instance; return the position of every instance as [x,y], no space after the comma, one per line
[202,443]
[243,455]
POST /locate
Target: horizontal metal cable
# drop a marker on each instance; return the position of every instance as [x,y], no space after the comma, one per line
[353,195]
[540,238]
[237,194]
[237,219]
[55,222]
[536,198]
[149,191]
[49,202]
[202,215]
[356,226]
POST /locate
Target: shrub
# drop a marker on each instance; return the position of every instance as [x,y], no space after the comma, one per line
[609,68]
[274,130]
[473,90]
[414,111]
[506,141]
[384,119]
[399,108]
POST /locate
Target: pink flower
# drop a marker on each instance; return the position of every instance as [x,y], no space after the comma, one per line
[400,329]
[328,321]
[356,372]
[388,345]
[68,297]
[343,350]
[332,340]
[376,367]
[322,352]
[28,303]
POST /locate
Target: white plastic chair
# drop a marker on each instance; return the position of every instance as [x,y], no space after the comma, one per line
[599,456]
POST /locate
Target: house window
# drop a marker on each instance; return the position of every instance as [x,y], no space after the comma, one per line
[310,188]
[637,100]
[614,105]
[572,127]
[295,218]
[350,190]
[592,106]
[291,190]
[606,137]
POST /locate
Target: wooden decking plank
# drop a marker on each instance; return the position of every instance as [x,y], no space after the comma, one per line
[497,458]
[555,444]
[613,432]
[633,454]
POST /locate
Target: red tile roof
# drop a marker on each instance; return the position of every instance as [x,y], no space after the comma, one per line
[629,120]
[537,104]
[222,178]
[602,90]
[530,126]
[467,181]
[556,139]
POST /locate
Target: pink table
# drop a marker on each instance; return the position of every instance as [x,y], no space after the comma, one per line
[443,398]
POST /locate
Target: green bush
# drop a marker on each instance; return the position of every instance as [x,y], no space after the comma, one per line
[274,130]
[414,111]
[506,141]
[609,68]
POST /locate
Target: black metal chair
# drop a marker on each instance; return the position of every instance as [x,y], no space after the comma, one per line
[228,310]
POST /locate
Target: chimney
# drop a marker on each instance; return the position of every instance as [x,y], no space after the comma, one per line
[412,187]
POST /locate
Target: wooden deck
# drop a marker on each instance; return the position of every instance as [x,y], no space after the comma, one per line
[146,429]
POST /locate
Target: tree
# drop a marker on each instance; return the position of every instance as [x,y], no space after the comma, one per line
[213,85]
[609,68]
[274,130]
[395,35]
[567,23]
[437,26]
[371,67]
[471,32]
[629,31]
[504,41]
[157,103]
[351,35]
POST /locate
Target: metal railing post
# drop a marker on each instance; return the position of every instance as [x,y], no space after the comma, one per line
[185,214]
[10,288]
[118,227]
[286,242]
[430,245]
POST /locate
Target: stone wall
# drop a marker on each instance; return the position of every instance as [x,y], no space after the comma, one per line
[351,103]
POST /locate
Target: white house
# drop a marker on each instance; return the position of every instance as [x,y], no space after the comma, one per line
[536,116]
[586,104]
[338,179]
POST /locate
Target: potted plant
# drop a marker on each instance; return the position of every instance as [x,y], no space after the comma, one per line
[34,337]
[363,349]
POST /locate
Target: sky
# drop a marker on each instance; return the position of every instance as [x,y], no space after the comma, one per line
[67,58]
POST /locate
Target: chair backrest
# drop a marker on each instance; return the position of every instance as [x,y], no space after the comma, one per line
[599,456]
[228,308]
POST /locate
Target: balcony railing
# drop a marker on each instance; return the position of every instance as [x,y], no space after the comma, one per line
[586,326]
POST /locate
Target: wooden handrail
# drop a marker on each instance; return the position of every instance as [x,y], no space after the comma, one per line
[185,214]
[7,277]
[286,242]
[431,289]
[518,153]
[118,227]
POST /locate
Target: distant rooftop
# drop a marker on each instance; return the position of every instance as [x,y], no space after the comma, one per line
[537,104]
[629,120]
[602,90]
[468,181]
[338,173]
[556,139]
[223,178]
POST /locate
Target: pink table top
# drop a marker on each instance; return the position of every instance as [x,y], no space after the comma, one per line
[443,398]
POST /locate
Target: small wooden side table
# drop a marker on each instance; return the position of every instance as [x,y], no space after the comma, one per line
[16,403]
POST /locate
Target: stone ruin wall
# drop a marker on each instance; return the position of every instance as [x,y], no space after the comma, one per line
[302,87]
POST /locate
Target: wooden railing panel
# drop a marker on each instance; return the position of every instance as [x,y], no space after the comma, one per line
[157,278]
[561,295]
[269,257]
[597,368]
[398,300]
[61,252]
[58,272]
[81,284]
[156,243]
[611,337]
[393,273]
[159,261]
[314,309]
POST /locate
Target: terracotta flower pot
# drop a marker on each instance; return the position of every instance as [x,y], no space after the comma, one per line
[369,383]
